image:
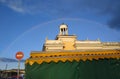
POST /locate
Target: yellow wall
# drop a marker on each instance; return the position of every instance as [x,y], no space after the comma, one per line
[69,45]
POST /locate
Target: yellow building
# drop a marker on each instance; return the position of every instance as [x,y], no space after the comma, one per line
[64,41]
[69,58]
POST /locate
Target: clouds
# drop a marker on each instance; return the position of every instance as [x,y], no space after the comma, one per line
[39,6]
[15,5]
[110,8]
[107,7]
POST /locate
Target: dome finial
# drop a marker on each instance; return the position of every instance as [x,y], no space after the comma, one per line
[63,29]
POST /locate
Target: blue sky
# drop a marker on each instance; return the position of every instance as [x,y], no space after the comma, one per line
[24,24]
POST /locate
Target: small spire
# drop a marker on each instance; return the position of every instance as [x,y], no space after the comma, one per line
[46,38]
[98,39]
[87,39]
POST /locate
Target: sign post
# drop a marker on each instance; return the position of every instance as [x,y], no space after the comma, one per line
[19,55]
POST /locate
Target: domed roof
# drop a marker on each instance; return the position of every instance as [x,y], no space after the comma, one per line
[63,26]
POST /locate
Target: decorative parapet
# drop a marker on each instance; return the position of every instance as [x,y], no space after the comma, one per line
[40,57]
[111,43]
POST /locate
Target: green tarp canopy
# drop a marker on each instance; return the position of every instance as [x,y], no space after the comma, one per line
[95,69]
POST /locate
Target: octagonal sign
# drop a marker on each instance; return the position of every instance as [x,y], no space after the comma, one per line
[19,55]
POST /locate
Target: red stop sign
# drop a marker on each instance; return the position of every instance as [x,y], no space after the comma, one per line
[19,55]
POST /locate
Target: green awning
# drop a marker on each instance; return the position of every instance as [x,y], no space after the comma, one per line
[95,69]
